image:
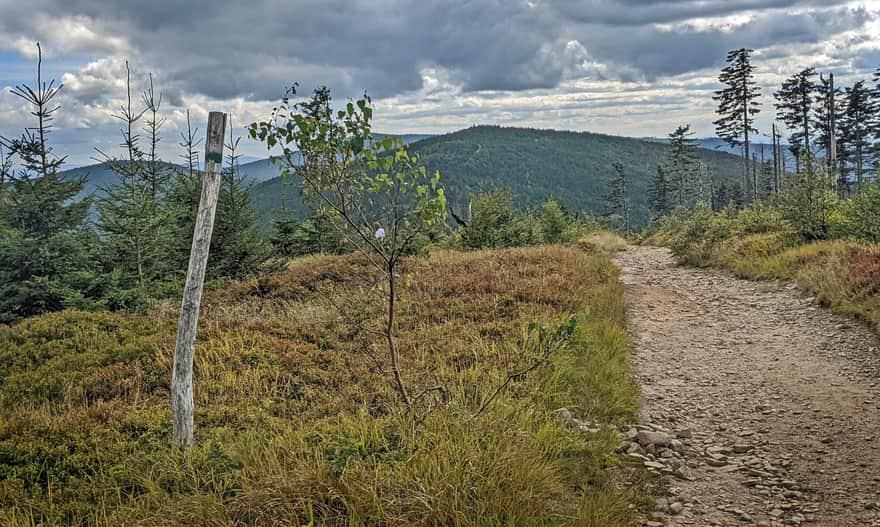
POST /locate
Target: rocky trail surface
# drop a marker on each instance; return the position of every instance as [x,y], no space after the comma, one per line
[759,407]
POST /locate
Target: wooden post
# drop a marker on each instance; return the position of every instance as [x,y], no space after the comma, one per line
[181,375]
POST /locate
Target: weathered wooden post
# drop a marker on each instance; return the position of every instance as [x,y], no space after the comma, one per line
[181,375]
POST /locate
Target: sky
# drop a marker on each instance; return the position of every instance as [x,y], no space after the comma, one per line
[625,67]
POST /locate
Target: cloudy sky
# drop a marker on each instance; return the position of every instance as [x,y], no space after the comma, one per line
[626,67]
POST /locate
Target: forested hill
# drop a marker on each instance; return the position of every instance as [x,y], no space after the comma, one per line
[573,167]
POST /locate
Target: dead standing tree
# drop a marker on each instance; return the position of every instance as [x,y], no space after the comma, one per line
[181,376]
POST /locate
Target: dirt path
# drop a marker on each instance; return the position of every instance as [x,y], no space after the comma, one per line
[780,398]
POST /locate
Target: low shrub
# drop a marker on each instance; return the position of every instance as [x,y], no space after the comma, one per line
[294,424]
[860,215]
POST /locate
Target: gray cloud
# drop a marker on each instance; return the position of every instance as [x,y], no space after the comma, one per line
[253,50]
[618,66]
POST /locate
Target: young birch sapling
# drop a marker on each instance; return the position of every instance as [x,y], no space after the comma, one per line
[377,195]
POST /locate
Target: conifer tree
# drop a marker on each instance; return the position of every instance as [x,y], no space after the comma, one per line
[856,131]
[738,105]
[156,174]
[794,104]
[189,141]
[5,173]
[617,199]
[875,118]
[237,247]
[766,181]
[284,236]
[130,217]
[658,194]
[681,165]
[47,250]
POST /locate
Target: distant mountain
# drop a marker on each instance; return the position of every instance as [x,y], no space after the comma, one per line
[573,167]
[255,170]
[720,145]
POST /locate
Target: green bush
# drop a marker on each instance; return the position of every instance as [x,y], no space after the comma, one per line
[693,235]
[860,215]
[495,222]
[760,218]
[808,204]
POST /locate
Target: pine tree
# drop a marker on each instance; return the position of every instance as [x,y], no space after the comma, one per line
[682,166]
[738,105]
[794,104]
[617,199]
[47,250]
[856,131]
[658,194]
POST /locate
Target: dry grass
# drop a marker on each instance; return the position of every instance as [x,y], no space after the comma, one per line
[295,425]
[602,242]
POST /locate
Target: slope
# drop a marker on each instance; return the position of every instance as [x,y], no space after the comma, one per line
[573,167]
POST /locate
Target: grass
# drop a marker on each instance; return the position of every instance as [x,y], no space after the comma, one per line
[294,425]
[604,242]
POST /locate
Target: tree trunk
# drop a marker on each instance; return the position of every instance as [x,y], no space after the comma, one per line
[181,375]
[392,341]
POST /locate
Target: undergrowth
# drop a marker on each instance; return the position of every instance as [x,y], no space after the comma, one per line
[294,425]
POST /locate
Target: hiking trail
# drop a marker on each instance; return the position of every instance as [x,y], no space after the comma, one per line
[760,407]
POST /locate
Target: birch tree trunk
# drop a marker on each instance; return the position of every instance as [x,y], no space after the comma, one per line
[181,375]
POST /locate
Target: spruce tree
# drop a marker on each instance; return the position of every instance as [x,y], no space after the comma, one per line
[156,174]
[738,105]
[856,131]
[5,174]
[47,250]
[283,238]
[875,118]
[131,217]
[794,104]
[766,180]
[720,197]
[658,194]
[237,247]
[681,166]
[617,199]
